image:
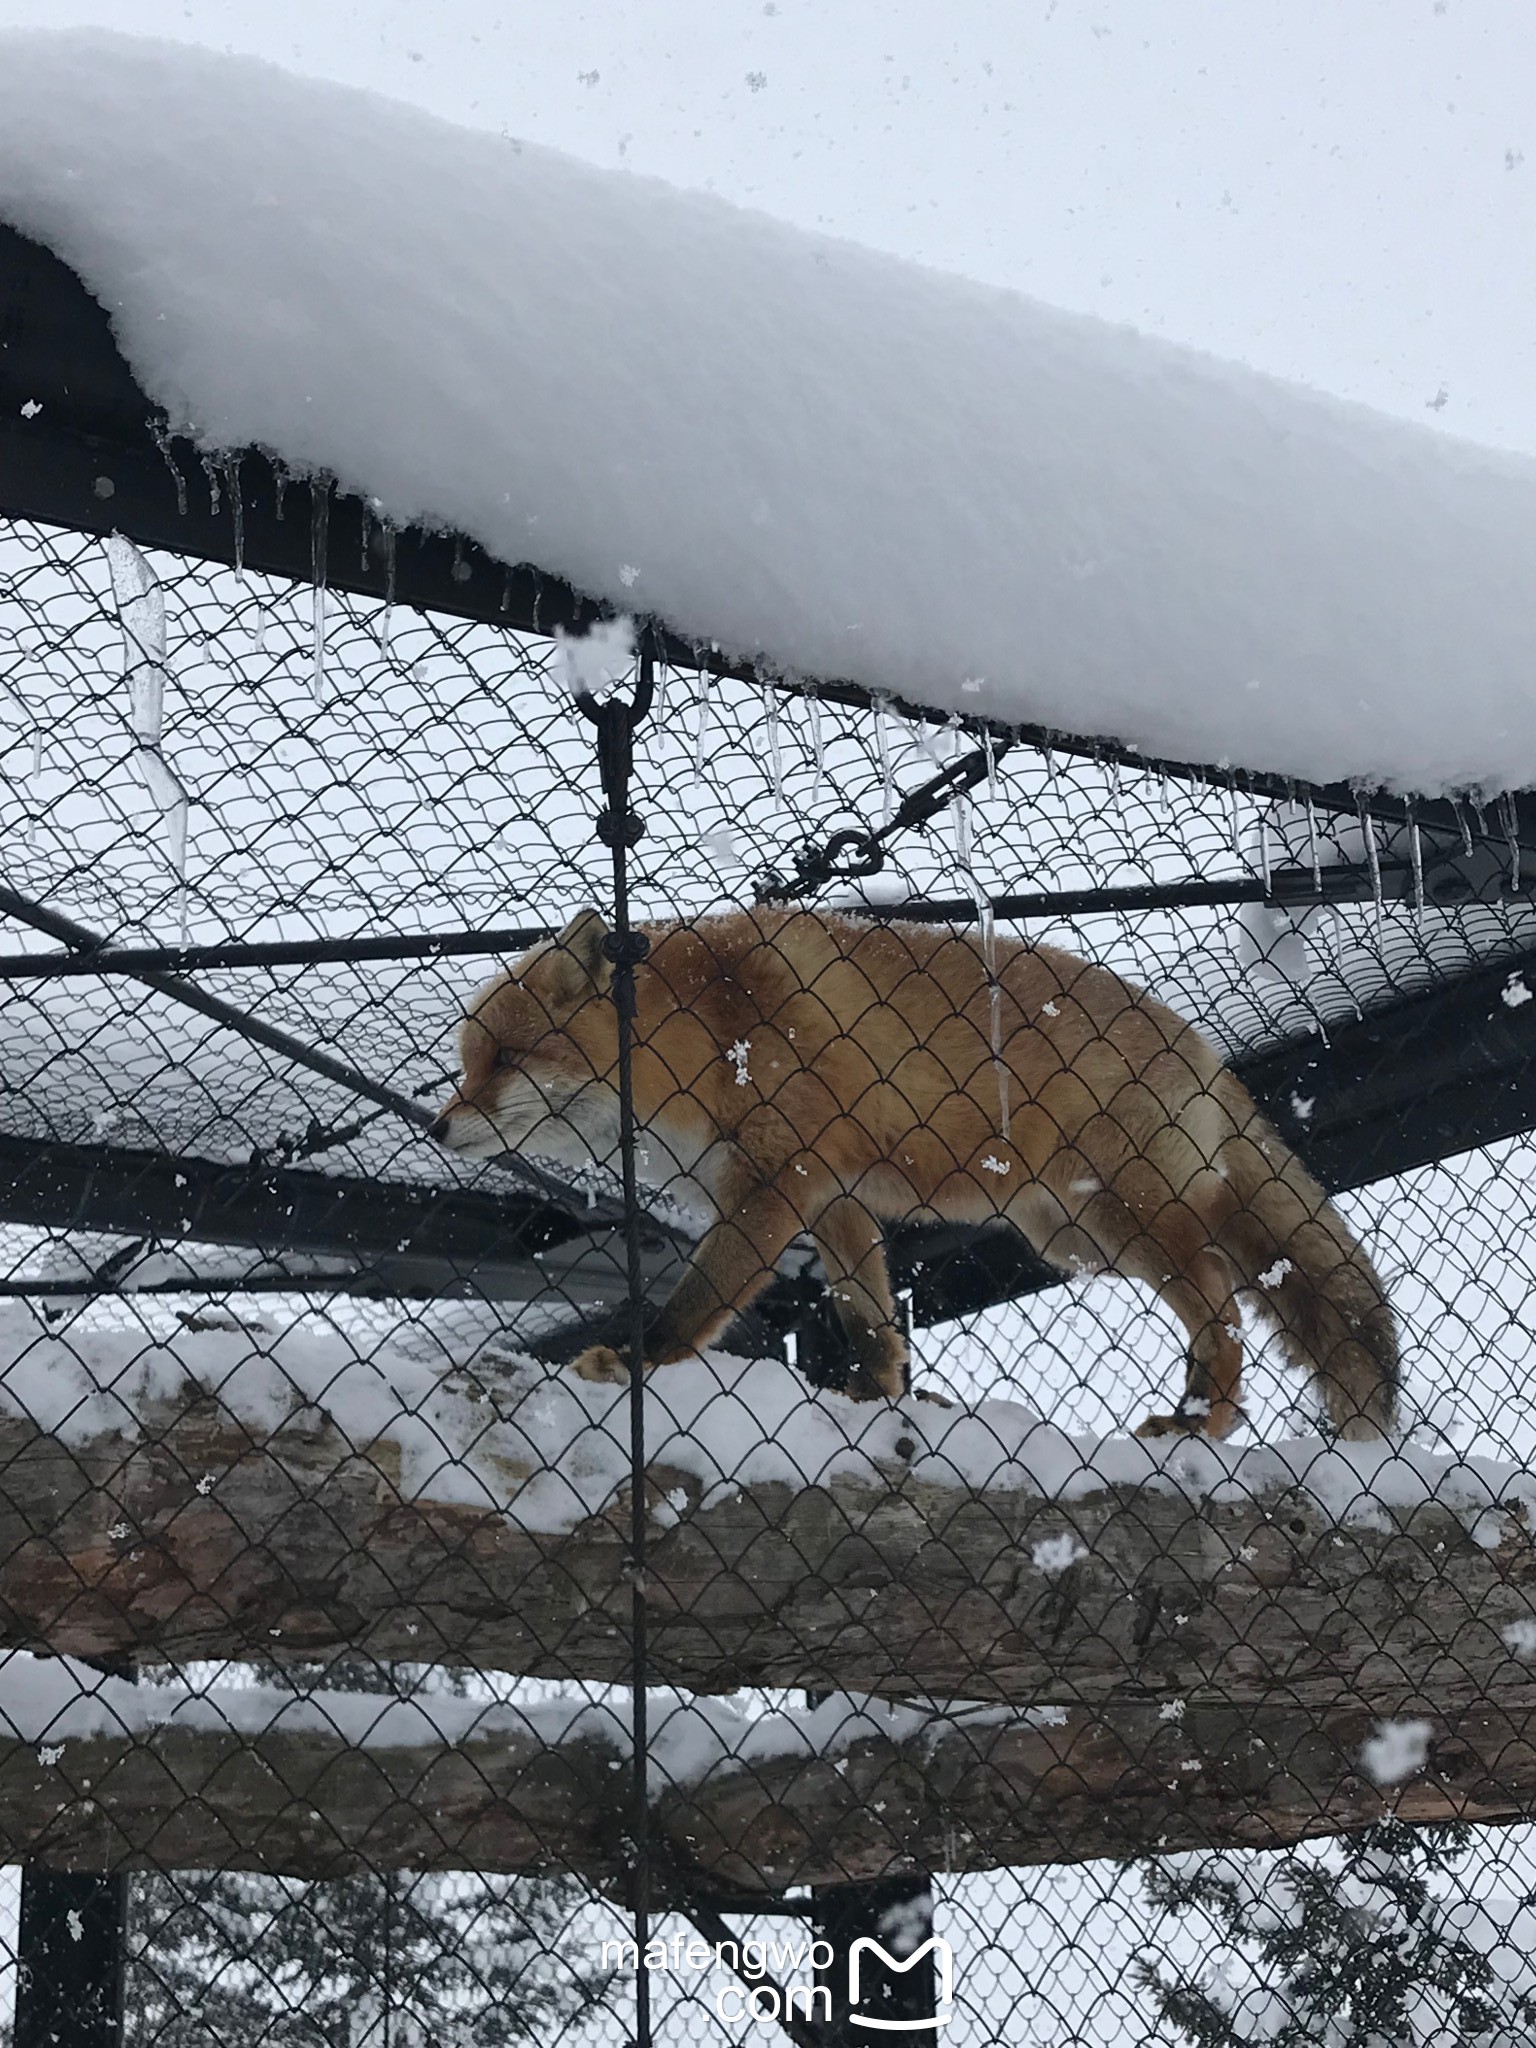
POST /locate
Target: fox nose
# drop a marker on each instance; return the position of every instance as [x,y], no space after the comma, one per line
[440,1127]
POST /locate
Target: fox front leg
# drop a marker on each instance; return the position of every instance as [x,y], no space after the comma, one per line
[733,1264]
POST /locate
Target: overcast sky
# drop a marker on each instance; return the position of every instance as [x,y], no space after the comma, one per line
[1337,190]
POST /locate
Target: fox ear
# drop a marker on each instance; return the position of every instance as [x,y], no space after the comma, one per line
[578,951]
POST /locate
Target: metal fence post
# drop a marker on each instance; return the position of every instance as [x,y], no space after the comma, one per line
[71,1951]
[71,1948]
[896,1912]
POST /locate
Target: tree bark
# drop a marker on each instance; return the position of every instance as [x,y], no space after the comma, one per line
[201,1538]
[951,1795]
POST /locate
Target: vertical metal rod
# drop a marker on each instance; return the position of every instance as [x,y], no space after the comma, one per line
[621,828]
[895,1912]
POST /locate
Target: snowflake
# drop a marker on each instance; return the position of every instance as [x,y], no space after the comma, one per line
[992,1164]
[739,1052]
[1056,1554]
[1398,1750]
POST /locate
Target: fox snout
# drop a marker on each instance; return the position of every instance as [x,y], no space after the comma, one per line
[449,1126]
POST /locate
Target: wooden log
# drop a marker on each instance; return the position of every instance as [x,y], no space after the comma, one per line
[194,1535]
[962,1794]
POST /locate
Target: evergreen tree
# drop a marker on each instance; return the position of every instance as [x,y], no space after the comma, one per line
[1347,1948]
[386,1959]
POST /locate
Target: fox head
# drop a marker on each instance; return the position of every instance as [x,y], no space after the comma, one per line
[538,1048]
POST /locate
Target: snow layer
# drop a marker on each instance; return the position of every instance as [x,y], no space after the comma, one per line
[548,1449]
[844,464]
[55,1701]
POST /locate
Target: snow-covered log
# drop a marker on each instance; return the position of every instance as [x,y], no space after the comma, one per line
[318,1503]
[101,1775]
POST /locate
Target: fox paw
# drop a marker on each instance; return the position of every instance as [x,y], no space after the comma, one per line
[1217,1422]
[602,1365]
[1161,1425]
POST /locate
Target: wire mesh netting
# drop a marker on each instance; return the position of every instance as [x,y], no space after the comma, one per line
[844,1078]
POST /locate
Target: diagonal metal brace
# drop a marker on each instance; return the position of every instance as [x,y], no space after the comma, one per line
[850,854]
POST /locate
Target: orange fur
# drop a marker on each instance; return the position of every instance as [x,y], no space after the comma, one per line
[800,1073]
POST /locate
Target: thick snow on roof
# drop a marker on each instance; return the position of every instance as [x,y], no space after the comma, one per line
[845,464]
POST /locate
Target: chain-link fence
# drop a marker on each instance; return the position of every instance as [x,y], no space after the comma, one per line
[388,1658]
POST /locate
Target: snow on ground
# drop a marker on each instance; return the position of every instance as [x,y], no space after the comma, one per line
[549,1449]
[805,451]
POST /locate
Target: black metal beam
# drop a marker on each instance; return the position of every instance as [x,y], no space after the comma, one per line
[86,456]
[318,952]
[1414,1081]
[410,1240]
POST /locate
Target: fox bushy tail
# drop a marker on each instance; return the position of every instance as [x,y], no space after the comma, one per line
[1294,1251]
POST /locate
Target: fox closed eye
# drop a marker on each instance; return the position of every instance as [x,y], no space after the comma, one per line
[506,1058]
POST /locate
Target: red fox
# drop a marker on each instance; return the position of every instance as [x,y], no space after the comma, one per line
[804,1074]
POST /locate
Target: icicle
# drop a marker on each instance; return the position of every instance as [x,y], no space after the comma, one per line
[319,527]
[1237,829]
[883,748]
[279,487]
[1314,851]
[259,630]
[1264,852]
[999,1064]
[37,754]
[166,790]
[385,616]
[991,754]
[1416,855]
[1466,829]
[236,513]
[770,700]
[965,861]
[215,498]
[818,736]
[1164,802]
[141,607]
[1372,857]
[161,431]
[960,813]
[1050,769]
[701,726]
[1512,836]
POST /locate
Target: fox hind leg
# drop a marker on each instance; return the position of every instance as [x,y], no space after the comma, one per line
[1202,1300]
[852,1247]
[1197,1286]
